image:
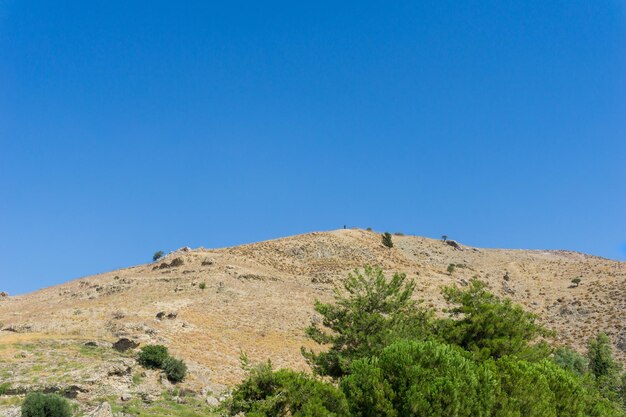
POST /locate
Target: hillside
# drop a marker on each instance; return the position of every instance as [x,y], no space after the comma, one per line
[259,297]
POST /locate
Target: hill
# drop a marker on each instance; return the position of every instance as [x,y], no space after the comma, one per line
[209,305]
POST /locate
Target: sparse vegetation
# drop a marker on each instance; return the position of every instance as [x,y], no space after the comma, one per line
[387,241]
[576,281]
[202,285]
[444,237]
[176,262]
[37,404]
[157,255]
[451,268]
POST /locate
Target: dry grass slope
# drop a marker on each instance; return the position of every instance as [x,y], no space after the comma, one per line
[259,297]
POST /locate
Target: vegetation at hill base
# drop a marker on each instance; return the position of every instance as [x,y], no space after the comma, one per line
[38,404]
[157,357]
[386,355]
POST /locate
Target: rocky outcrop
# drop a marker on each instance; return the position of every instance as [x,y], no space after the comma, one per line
[103,410]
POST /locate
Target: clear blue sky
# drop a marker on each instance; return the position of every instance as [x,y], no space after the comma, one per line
[128,127]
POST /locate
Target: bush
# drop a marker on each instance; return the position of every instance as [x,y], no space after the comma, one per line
[576,281]
[268,393]
[202,285]
[451,268]
[157,255]
[175,369]
[386,237]
[153,356]
[37,404]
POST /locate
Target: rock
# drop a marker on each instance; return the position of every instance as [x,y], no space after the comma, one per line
[126,397]
[103,410]
[124,344]
[120,368]
[3,294]
[212,401]
[162,314]
[454,244]
[13,412]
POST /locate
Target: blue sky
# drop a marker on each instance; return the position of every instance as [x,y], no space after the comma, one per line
[128,127]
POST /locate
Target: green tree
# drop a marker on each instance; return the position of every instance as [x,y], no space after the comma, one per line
[282,393]
[368,314]
[450,269]
[157,255]
[386,238]
[570,360]
[603,367]
[153,356]
[37,404]
[523,390]
[489,326]
[420,379]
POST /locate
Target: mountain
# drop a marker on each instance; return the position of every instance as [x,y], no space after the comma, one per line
[210,305]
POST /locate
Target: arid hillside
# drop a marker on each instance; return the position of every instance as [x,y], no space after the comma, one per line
[209,305]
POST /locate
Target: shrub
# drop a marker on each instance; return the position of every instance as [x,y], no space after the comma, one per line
[157,255]
[37,404]
[282,393]
[4,387]
[202,285]
[153,356]
[444,237]
[176,262]
[175,369]
[386,237]
[576,281]
[451,268]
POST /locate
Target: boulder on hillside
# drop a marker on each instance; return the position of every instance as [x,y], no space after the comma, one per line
[454,244]
[124,345]
[103,410]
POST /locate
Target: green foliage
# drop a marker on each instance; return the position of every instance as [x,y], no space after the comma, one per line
[603,367]
[202,285]
[420,379]
[523,390]
[370,313]
[576,281]
[175,369]
[386,238]
[450,269]
[157,255]
[37,404]
[570,360]
[4,387]
[488,326]
[153,356]
[268,393]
